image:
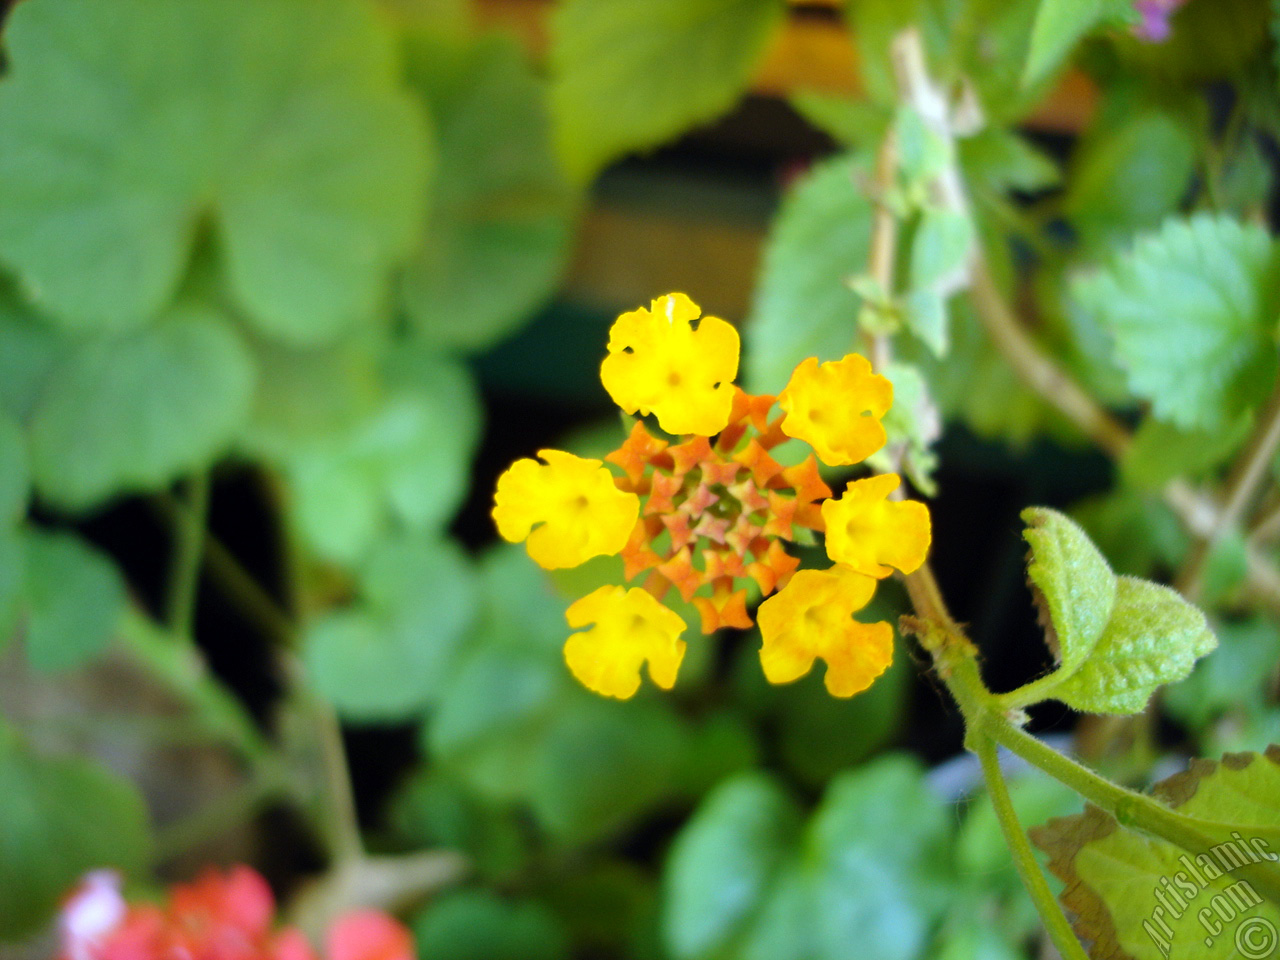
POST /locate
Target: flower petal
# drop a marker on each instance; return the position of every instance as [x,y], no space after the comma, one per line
[836,408]
[661,362]
[568,509]
[812,618]
[630,628]
[870,533]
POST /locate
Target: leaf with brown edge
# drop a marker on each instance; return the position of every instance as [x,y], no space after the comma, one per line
[1135,897]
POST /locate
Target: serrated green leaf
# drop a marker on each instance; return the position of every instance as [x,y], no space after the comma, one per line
[1191,309]
[1154,637]
[123,128]
[390,656]
[74,596]
[631,74]
[500,225]
[15,482]
[1135,897]
[1074,585]
[59,817]
[1127,178]
[723,863]
[408,460]
[802,306]
[134,412]
[480,925]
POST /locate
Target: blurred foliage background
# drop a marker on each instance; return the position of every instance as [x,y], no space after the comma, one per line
[287,283]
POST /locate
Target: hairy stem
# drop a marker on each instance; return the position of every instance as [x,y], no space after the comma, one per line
[1055,922]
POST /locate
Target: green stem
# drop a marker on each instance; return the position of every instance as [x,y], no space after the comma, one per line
[217,816]
[1055,922]
[184,575]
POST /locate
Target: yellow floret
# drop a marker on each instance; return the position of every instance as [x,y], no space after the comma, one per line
[660,361]
[568,509]
[811,618]
[869,533]
[630,628]
[836,408]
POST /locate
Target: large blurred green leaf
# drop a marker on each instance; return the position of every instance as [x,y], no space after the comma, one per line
[479,925]
[631,74]
[59,817]
[803,306]
[500,223]
[135,411]
[723,863]
[388,657]
[12,582]
[1192,309]
[15,480]
[866,880]
[1128,176]
[28,350]
[74,596]
[1233,680]
[126,128]
[408,459]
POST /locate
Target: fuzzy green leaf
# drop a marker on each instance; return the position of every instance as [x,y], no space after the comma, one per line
[1154,637]
[59,817]
[133,412]
[1075,588]
[632,74]
[500,225]
[126,127]
[1192,310]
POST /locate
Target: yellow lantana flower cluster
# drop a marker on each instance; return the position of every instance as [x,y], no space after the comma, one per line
[709,513]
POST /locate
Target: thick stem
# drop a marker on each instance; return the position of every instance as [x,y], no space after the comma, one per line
[1055,922]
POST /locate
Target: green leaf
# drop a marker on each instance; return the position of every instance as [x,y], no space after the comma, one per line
[500,226]
[479,925]
[1192,310]
[279,124]
[1074,587]
[1233,680]
[59,817]
[599,764]
[1115,876]
[913,425]
[1059,24]
[1154,637]
[390,655]
[803,306]
[997,160]
[12,583]
[29,348]
[1161,452]
[723,863]
[632,74]
[849,122]
[408,460]
[1137,532]
[1129,176]
[75,598]
[15,484]
[865,880]
[134,412]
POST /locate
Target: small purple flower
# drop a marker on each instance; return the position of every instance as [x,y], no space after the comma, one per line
[1153,25]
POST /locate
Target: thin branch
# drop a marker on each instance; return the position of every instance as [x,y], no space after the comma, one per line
[184,574]
[1242,487]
